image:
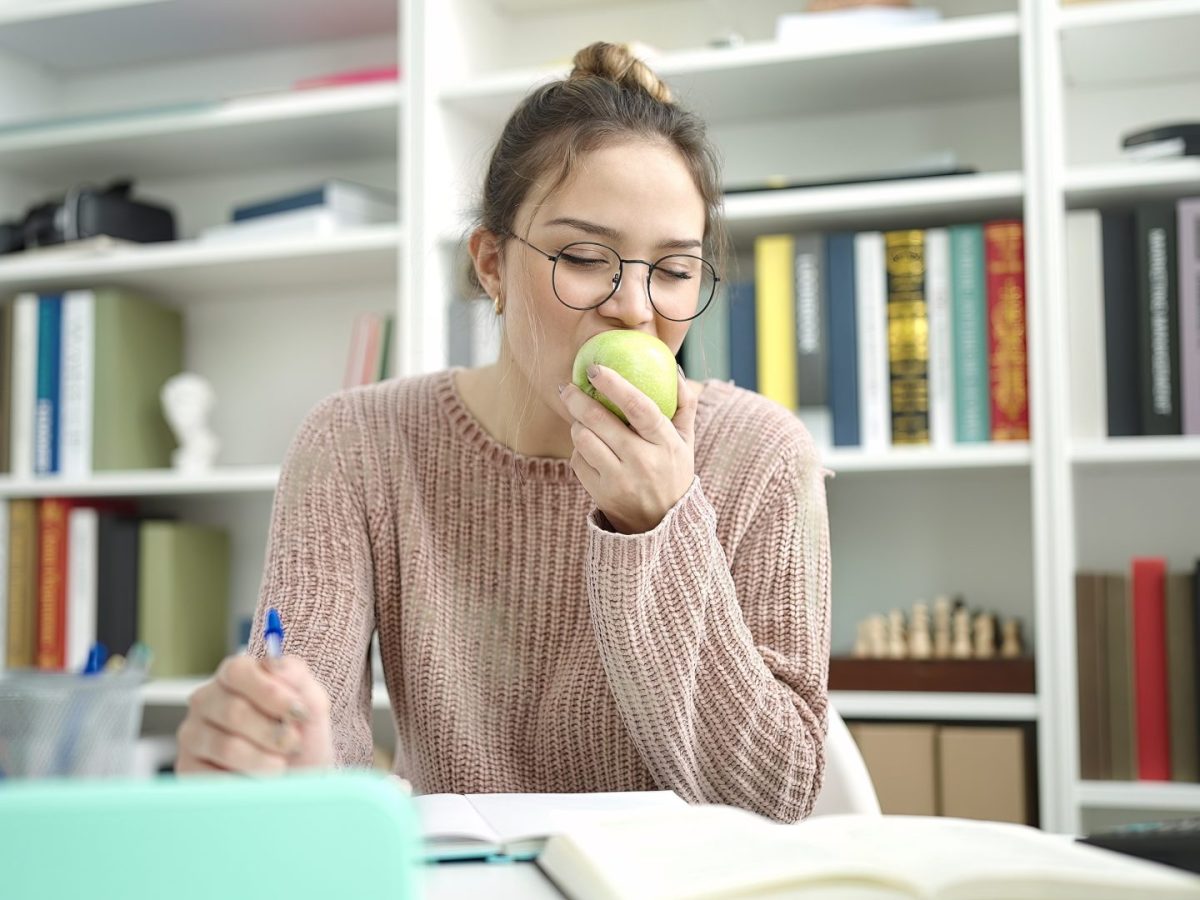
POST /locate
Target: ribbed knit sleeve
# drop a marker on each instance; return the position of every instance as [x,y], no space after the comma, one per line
[318,570]
[719,666]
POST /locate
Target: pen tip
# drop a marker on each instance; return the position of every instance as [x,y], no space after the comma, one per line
[274,625]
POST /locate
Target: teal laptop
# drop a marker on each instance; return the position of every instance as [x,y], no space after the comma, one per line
[299,836]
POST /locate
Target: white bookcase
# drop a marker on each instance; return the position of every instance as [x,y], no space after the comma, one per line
[1032,95]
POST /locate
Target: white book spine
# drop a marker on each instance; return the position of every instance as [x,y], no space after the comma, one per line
[874,377]
[24,376]
[1085,325]
[83,526]
[4,540]
[75,414]
[941,337]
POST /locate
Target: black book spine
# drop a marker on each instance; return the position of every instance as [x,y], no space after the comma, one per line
[1120,325]
[1158,318]
[117,581]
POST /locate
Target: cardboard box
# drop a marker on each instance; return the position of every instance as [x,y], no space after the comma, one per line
[902,761]
[985,773]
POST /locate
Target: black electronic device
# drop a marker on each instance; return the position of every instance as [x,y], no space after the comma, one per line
[1173,843]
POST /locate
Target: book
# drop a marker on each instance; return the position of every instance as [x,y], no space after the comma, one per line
[908,336]
[843,340]
[183,596]
[517,826]
[743,335]
[1181,664]
[350,202]
[22,583]
[1004,241]
[1122,723]
[775,315]
[364,75]
[78,367]
[720,851]
[968,290]
[874,370]
[45,412]
[24,384]
[941,339]
[1091,651]
[1158,318]
[1123,399]
[1085,323]
[81,606]
[52,582]
[812,337]
[117,558]
[313,221]
[1189,313]
[1150,678]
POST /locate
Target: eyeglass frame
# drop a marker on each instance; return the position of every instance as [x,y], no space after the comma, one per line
[650,267]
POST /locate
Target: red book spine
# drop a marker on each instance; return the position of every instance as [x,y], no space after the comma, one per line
[1150,669]
[52,583]
[1007,358]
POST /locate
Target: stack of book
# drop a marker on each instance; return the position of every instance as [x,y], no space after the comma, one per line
[906,337]
[1137,638]
[323,209]
[1135,357]
[82,372]
[370,349]
[75,572]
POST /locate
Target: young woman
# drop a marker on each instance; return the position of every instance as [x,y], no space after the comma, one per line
[564,602]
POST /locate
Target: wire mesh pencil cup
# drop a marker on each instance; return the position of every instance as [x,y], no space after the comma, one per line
[58,724]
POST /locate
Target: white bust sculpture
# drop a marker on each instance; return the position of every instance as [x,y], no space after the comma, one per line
[187,401]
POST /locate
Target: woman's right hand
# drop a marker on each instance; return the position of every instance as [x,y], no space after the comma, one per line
[257,718]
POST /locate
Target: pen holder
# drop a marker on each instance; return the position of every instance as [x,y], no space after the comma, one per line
[57,724]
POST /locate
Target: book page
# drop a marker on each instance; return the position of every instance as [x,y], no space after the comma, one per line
[525,817]
[450,821]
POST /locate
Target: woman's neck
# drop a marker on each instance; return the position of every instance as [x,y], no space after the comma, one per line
[502,399]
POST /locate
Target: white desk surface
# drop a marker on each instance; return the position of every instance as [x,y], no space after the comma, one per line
[495,881]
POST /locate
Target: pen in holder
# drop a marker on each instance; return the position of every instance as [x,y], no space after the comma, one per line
[61,724]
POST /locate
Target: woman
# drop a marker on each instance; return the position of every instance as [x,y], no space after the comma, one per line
[564,602]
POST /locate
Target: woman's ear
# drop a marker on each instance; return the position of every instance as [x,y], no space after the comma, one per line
[487,254]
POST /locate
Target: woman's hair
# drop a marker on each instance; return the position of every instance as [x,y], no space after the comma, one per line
[609,96]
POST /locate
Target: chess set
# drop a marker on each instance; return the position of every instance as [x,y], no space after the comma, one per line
[948,648]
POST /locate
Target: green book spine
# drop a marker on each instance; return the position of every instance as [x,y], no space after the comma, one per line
[706,348]
[138,346]
[183,597]
[972,400]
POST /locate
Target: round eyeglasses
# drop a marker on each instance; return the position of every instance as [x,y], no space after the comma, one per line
[585,274]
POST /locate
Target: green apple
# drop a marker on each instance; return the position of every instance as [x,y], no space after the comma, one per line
[641,359]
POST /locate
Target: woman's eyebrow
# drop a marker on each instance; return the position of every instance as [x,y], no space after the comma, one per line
[612,234]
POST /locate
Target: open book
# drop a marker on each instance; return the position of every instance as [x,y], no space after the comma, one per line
[717,851]
[516,826]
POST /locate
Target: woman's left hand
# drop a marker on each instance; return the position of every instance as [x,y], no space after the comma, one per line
[634,472]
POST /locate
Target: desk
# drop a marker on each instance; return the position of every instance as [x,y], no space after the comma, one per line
[495,881]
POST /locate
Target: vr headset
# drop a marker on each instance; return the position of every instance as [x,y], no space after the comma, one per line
[86,212]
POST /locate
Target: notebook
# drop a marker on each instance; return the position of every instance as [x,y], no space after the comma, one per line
[516,826]
[718,851]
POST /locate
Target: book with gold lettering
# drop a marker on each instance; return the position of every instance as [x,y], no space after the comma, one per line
[908,335]
[1004,243]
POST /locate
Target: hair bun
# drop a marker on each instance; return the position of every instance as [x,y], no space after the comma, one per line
[616,63]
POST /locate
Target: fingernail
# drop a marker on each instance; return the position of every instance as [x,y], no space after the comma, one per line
[298,712]
[593,370]
[282,738]
[561,388]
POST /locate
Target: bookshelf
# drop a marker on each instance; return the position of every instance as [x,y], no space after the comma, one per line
[1033,96]
[226,480]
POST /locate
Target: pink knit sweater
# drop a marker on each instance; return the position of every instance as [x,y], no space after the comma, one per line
[526,647]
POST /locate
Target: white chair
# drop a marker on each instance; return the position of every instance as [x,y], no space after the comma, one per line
[848,787]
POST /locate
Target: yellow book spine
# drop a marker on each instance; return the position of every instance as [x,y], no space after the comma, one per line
[775,308]
[908,336]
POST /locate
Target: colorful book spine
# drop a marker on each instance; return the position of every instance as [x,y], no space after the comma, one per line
[22,583]
[812,338]
[1158,318]
[908,336]
[24,383]
[941,337]
[1189,313]
[1150,669]
[1005,248]
[775,308]
[75,419]
[843,341]
[49,356]
[1123,397]
[871,312]
[1092,676]
[743,336]
[972,394]
[52,583]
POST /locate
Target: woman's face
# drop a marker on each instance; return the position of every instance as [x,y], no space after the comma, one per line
[636,197]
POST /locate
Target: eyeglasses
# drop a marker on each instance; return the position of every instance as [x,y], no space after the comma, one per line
[586,274]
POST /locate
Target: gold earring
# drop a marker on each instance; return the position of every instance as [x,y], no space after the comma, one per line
[497,305]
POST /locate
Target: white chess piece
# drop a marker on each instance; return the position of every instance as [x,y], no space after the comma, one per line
[862,644]
[1010,647]
[897,643]
[920,645]
[187,401]
[960,647]
[876,637]
[985,636]
[941,627]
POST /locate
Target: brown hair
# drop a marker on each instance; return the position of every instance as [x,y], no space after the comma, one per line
[609,95]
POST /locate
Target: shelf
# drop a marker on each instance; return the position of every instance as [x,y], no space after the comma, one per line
[1138,795]
[1135,450]
[163,483]
[1121,43]
[1130,182]
[931,706]
[884,203]
[74,35]
[885,68]
[241,134]
[359,256]
[176,691]
[904,459]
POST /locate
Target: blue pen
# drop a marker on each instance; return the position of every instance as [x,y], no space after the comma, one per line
[273,634]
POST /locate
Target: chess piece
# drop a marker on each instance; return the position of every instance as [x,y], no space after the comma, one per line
[920,644]
[1010,647]
[876,637]
[897,641]
[985,636]
[941,627]
[862,646]
[960,647]
[187,401]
